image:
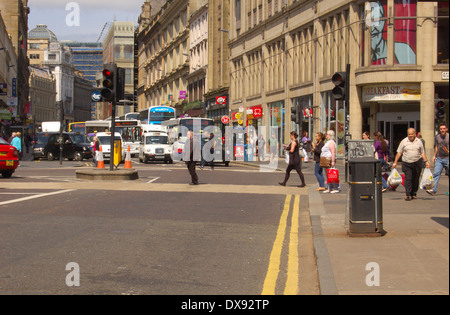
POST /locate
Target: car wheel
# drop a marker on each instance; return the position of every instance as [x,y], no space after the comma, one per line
[50,156]
[7,174]
[77,156]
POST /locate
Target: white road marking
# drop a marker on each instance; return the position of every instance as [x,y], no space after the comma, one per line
[153,180]
[35,196]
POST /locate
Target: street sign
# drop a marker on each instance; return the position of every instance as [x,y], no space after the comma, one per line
[225,120]
[96,96]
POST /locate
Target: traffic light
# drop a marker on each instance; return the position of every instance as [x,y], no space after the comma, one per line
[120,85]
[440,109]
[339,79]
[108,90]
[296,114]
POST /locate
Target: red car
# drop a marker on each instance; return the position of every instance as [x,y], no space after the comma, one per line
[9,158]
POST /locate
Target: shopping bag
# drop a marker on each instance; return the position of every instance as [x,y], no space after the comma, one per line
[332,176]
[395,179]
[427,181]
[286,157]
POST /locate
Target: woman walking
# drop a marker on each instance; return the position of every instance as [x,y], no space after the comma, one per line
[329,151]
[294,160]
[382,152]
[317,150]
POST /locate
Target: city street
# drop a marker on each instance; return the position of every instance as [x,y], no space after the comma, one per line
[156,235]
[238,232]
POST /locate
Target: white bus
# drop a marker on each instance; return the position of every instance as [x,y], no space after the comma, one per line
[129,130]
[131,133]
[129,116]
[156,115]
[177,129]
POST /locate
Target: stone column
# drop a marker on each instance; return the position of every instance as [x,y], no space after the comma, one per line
[427,89]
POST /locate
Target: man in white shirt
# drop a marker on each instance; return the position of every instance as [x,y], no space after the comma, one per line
[411,148]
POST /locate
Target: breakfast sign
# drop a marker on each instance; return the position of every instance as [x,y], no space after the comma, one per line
[391,92]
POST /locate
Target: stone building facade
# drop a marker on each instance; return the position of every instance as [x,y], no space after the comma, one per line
[163,54]
[284,53]
[42,95]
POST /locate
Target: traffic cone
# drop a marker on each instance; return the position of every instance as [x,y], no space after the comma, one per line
[128,159]
[100,162]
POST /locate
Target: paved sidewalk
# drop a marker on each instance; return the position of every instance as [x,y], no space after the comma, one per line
[412,257]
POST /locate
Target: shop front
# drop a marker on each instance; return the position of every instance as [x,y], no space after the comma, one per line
[276,122]
[392,109]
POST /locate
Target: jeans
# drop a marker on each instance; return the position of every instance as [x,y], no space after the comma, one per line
[438,167]
[318,171]
[385,185]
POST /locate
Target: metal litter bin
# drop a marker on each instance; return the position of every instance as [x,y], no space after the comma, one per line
[366,203]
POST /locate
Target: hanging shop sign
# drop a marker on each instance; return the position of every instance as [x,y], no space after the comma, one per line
[221,100]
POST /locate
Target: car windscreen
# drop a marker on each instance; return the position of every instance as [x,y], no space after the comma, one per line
[106,140]
[157,140]
[3,141]
[78,138]
[42,138]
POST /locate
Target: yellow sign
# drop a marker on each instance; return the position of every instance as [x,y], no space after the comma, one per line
[238,116]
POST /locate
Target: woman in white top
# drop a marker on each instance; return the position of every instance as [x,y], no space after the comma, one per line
[329,151]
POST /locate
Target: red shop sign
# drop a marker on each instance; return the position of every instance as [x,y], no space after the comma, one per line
[221,100]
[257,111]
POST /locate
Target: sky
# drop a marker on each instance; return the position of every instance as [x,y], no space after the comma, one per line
[81,20]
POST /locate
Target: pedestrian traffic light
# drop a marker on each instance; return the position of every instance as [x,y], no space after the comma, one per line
[108,91]
[440,109]
[120,85]
[339,79]
[296,115]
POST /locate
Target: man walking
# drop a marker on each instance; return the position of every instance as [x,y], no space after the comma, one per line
[192,154]
[412,150]
[440,157]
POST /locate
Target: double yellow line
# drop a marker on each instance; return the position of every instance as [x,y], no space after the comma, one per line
[291,286]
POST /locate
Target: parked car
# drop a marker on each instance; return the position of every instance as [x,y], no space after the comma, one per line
[75,147]
[39,145]
[9,158]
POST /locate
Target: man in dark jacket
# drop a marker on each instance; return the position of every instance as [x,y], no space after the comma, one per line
[192,154]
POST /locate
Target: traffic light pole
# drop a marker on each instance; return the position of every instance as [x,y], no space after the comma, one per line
[347,135]
[113,132]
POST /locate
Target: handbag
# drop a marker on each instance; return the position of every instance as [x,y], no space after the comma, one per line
[325,162]
[332,176]
[301,152]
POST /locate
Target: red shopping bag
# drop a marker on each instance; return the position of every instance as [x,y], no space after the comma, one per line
[332,176]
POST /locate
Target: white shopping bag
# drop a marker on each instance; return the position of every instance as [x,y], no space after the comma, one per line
[427,181]
[395,179]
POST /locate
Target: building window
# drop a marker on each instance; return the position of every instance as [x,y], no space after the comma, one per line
[237,9]
[443,31]
[34,46]
[51,56]
[378,31]
[405,31]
